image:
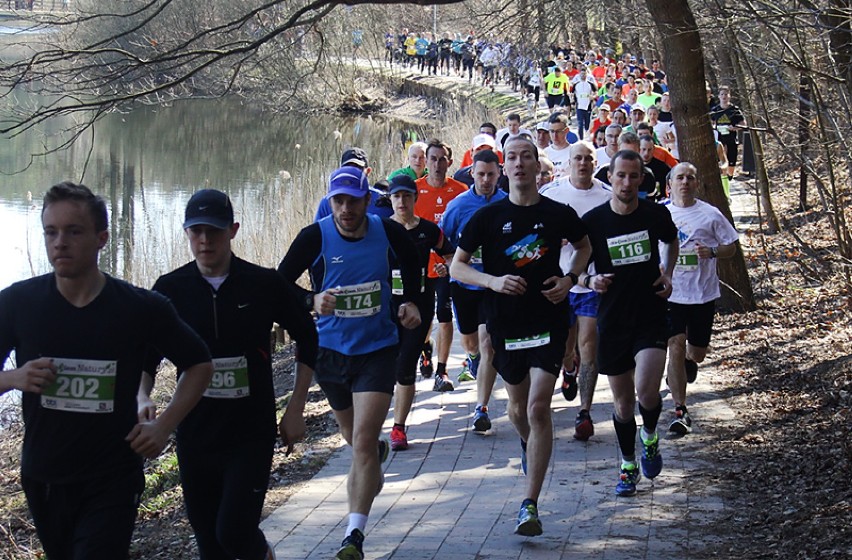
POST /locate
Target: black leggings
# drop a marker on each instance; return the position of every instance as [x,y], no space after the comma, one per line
[224,492]
[411,340]
[90,519]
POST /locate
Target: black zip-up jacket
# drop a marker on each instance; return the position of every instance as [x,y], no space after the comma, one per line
[236,320]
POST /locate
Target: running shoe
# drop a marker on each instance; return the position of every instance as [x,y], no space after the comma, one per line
[691,370]
[652,461]
[426,368]
[384,449]
[481,421]
[398,439]
[352,547]
[628,479]
[473,364]
[529,525]
[584,428]
[682,423]
[443,384]
[524,457]
[466,374]
[569,382]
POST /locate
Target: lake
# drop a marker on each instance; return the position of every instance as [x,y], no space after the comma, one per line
[147,163]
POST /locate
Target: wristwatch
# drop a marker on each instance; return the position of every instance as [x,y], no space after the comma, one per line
[713,252]
[309,301]
[574,279]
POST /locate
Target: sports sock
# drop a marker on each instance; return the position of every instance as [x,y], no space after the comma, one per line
[650,417]
[356,521]
[441,369]
[626,434]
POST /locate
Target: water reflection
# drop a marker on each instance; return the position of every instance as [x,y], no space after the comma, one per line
[148,162]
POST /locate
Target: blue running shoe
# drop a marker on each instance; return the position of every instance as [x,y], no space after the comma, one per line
[481,421]
[473,364]
[628,479]
[352,547]
[524,457]
[465,374]
[529,525]
[652,461]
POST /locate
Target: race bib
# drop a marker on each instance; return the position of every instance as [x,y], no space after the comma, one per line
[396,281]
[82,386]
[687,261]
[534,341]
[230,379]
[723,129]
[630,248]
[360,300]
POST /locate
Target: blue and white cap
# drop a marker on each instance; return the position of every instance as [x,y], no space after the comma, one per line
[348,180]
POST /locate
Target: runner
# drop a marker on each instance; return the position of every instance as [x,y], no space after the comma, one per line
[426,237]
[632,316]
[225,444]
[416,167]
[705,235]
[347,256]
[434,192]
[582,192]
[527,309]
[467,298]
[80,337]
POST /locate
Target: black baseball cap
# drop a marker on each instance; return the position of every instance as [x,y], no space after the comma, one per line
[400,183]
[354,155]
[209,207]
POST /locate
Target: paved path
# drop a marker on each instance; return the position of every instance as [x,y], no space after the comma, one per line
[454,495]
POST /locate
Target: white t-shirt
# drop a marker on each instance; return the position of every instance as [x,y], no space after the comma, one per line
[583,92]
[661,129]
[695,280]
[581,200]
[504,136]
[602,157]
[559,157]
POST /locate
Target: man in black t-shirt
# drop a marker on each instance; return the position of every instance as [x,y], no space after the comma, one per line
[526,307]
[625,235]
[80,338]
[225,444]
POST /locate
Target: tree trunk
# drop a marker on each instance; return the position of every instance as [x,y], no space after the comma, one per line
[804,137]
[684,62]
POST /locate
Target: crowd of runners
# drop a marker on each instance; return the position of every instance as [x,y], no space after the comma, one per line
[561,256]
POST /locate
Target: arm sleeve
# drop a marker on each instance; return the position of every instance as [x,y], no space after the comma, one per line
[470,238]
[7,322]
[171,336]
[406,255]
[576,229]
[443,246]
[303,252]
[292,316]
[153,356]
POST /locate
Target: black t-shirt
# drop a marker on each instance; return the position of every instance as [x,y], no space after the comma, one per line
[649,180]
[445,45]
[627,246]
[665,116]
[109,334]
[427,236]
[723,118]
[524,241]
[235,321]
